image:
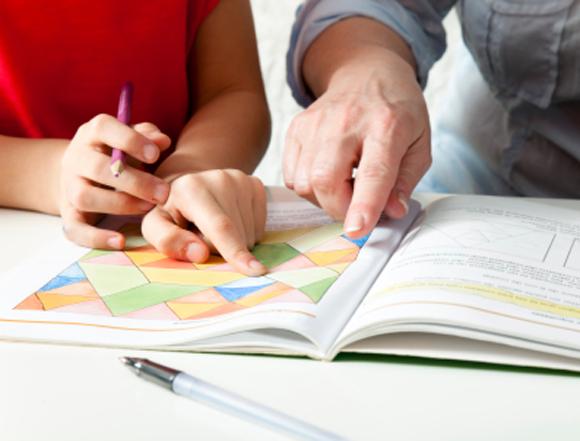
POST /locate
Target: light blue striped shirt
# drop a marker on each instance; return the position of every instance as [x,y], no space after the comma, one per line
[527,51]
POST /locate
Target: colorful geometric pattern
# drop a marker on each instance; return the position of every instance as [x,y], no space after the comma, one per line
[141,283]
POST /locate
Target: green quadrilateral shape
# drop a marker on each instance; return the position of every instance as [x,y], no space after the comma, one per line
[109,279]
[144,296]
[317,289]
[274,254]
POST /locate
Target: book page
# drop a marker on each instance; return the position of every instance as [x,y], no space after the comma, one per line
[139,297]
[497,267]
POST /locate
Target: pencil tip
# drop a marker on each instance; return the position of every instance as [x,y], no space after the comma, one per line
[117,168]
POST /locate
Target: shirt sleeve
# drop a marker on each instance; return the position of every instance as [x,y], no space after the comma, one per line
[418,22]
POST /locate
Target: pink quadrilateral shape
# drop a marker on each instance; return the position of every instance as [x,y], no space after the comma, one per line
[293,296]
[92,307]
[155,312]
[298,262]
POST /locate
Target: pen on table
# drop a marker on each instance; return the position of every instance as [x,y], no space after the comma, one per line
[185,385]
[123,115]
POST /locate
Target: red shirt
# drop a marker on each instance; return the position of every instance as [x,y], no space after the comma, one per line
[64,61]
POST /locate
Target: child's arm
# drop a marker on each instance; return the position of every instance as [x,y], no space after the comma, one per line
[27,173]
[73,177]
[230,130]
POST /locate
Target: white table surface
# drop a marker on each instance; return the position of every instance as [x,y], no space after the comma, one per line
[50,392]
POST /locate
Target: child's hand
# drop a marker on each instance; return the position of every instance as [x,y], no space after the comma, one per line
[89,189]
[227,207]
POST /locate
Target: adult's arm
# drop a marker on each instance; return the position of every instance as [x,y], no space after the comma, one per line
[360,67]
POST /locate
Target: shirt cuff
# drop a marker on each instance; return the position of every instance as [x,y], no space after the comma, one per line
[315,16]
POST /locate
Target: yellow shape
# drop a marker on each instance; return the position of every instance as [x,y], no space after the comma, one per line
[213,260]
[256,299]
[316,237]
[190,277]
[185,310]
[338,267]
[324,258]
[285,236]
[144,257]
[51,301]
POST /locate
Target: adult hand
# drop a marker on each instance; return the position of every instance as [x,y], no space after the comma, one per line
[88,188]
[227,210]
[372,118]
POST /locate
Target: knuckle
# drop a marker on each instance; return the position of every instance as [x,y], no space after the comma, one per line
[236,174]
[323,178]
[303,189]
[347,117]
[165,243]
[146,127]
[220,177]
[224,225]
[376,171]
[79,196]
[298,122]
[83,130]
[239,254]
[133,140]
[98,123]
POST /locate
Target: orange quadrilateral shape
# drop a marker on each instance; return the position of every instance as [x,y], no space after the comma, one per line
[51,301]
[187,310]
[220,310]
[170,263]
[84,289]
[30,303]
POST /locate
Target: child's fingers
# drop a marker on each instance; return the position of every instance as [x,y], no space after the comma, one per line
[106,129]
[77,230]
[152,132]
[137,183]
[85,197]
[219,228]
[259,202]
[161,231]
[237,203]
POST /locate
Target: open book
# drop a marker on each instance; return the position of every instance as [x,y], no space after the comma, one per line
[475,278]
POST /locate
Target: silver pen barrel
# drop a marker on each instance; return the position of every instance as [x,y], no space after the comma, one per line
[156,373]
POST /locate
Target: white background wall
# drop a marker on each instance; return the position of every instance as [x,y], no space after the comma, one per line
[273,20]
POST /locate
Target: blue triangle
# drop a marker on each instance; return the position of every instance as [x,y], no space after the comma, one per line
[358,242]
[74,272]
[58,282]
[233,294]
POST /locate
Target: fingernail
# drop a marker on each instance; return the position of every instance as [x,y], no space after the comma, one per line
[256,265]
[115,242]
[150,152]
[160,193]
[194,252]
[403,201]
[354,223]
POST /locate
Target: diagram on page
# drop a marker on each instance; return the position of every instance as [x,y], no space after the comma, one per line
[486,235]
[142,283]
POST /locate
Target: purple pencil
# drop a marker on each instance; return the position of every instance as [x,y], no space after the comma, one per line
[123,115]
